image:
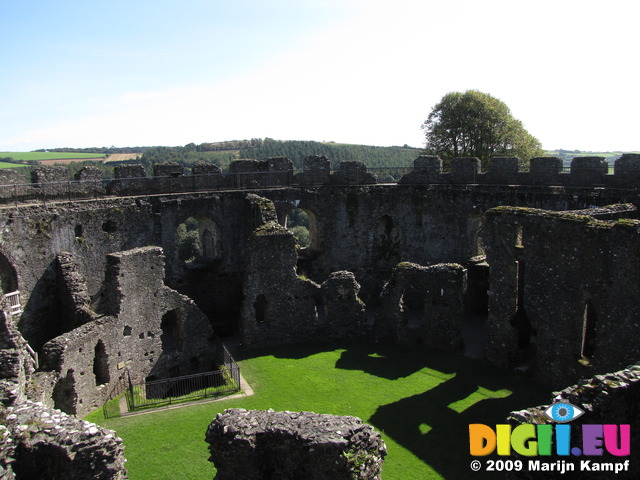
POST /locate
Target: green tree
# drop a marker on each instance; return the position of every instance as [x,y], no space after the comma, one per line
[188,241]
[475,124]
[301,234]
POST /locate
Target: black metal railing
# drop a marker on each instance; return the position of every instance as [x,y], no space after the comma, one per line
[183,389]
[170,391]
[186,388]
[111,407]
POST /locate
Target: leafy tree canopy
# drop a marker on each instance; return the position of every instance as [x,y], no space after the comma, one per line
[475,124]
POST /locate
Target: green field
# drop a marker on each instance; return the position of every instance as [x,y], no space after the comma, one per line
[421,400]
[11,165]
[26,156]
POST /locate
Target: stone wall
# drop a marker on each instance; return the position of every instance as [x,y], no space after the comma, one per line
[52,182]
[278,306]
[316,171]
[584,171]
[139,327]
[353,173]
[32,238]
[563,291]
[342,314]
[268,445]
[423,305]
[15,363]
[207,176]
[13,185]
[364,230]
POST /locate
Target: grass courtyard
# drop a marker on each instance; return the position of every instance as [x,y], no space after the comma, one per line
[421,400]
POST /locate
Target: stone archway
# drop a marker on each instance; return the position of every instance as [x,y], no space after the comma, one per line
[303,223]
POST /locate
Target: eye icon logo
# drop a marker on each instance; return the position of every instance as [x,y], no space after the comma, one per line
[563,412]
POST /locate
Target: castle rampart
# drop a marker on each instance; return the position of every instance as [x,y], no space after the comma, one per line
[53,182]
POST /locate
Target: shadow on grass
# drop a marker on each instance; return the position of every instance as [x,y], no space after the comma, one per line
[392,361]
[434,425]
[292,351]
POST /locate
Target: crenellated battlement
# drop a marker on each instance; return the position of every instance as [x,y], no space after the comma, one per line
[54,182]
[584,172]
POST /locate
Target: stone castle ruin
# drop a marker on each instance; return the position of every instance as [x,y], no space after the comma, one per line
[543,263]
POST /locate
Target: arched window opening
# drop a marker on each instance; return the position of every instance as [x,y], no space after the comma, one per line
[198,240]
[303,226]
[188,238]
[412,306]
[521,322]
[320,309]
[519,237]
[8,276]
[589,323]
[169,336]
[101,364]
[260,309]
[474,234]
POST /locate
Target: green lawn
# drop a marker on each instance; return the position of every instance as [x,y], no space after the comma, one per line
[420,399]
[49,155]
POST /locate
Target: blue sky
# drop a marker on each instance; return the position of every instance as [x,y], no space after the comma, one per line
[138,72]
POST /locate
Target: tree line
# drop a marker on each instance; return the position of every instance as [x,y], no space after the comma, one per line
[297,150]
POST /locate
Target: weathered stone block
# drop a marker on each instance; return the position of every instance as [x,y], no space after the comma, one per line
[13,185]
[280,171]
[38,442]
[426,169]
[353,173]
[206,176]
[88,183]
[168,170]
[129,171]
[268,445]
[627,170]
[53,180]
[424,305]
[129,179]
[503,170]
[465,170]
[588,170]
[316,171]
[545,170]
[247,173]
[344,312]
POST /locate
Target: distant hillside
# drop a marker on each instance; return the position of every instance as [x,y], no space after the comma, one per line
[296,150]
[222,153]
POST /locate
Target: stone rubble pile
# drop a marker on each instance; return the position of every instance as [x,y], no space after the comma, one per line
[39,442]
[264,445]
